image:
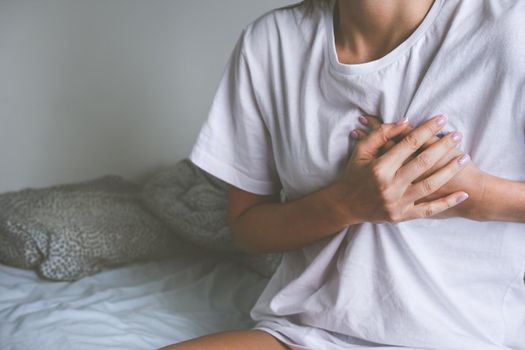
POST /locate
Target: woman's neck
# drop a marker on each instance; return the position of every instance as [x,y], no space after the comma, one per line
[366,30]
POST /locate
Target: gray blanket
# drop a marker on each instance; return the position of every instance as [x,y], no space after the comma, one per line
[194,203]
[69,231]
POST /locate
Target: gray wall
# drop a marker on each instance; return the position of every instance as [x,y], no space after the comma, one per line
[94,87]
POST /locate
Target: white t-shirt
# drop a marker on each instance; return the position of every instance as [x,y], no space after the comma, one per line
[281,118]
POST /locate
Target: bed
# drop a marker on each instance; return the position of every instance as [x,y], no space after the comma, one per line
[143,305]
[110,264]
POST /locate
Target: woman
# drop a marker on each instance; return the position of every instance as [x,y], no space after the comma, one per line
[382,247]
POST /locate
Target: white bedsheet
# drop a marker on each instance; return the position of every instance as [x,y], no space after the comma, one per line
[139,306]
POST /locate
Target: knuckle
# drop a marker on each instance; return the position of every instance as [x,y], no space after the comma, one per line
[432,129]
[411,141]
[378,172]
[384,198]
[423,161]
[428,185]
[393,216]
[451,169]
[361,149]
[390,206]
[429,211]
[382,133]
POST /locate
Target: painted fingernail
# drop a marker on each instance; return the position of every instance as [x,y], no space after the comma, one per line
[463,160]
[461,197]
[441,120]
[402,121]
[354,134]
[457,136]
[363,120]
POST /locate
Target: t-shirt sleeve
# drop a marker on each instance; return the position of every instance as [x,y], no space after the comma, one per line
[234,143]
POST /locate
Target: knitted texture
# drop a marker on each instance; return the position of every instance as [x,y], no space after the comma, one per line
[69,231]
[194,204]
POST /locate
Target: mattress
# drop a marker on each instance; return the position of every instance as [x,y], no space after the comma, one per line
[143,305]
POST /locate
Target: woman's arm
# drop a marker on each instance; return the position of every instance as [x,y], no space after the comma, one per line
[492,198]
[371,189]
[262,224]
[500,200]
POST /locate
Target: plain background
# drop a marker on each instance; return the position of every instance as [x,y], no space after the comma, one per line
[96,87]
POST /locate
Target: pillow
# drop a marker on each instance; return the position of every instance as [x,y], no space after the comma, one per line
[69,231]
[194,204]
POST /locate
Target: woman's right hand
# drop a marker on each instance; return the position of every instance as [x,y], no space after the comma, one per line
[381,188]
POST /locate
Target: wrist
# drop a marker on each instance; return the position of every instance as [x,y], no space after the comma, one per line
[341,199]
[475,208]
[502,200]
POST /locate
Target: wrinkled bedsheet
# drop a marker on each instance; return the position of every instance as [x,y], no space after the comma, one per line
[140,306]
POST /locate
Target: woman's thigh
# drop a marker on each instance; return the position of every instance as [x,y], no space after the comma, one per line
[231,340]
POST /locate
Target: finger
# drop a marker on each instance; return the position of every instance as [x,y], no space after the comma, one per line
[396,139]
[395,157]
[454,153]
[375,123]
[428,158]
[403,134]
[415,154]
[433,140]
[372,143]
[358,134]
[437,206]
[370,121]
[435,181]
[389,145]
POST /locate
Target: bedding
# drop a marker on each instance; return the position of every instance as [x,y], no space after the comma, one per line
[193,203]
[73,230]
[144,305]
[69,231]
[183,290]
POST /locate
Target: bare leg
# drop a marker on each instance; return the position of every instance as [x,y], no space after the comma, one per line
[231,340]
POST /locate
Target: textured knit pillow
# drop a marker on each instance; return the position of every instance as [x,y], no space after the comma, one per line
[74,230]
[194,204]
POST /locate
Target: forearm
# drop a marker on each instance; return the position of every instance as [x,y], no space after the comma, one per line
[273,227]
[501,200]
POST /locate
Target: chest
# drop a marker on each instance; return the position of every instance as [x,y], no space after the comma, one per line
[311,139]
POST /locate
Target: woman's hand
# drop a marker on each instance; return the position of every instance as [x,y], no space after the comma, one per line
[470,179]
[383,188]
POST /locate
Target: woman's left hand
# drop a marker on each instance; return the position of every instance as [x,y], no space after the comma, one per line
[470,179]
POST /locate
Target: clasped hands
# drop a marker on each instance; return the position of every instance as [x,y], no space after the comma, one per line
[396,173]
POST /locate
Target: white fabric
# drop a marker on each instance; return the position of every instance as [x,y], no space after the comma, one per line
[142,306]
[282,116]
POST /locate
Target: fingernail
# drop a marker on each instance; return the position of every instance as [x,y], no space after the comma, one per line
[461,197]
[402,121]
[354,134]
[463,160]
[441,120]
[363,120]
[457,136]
